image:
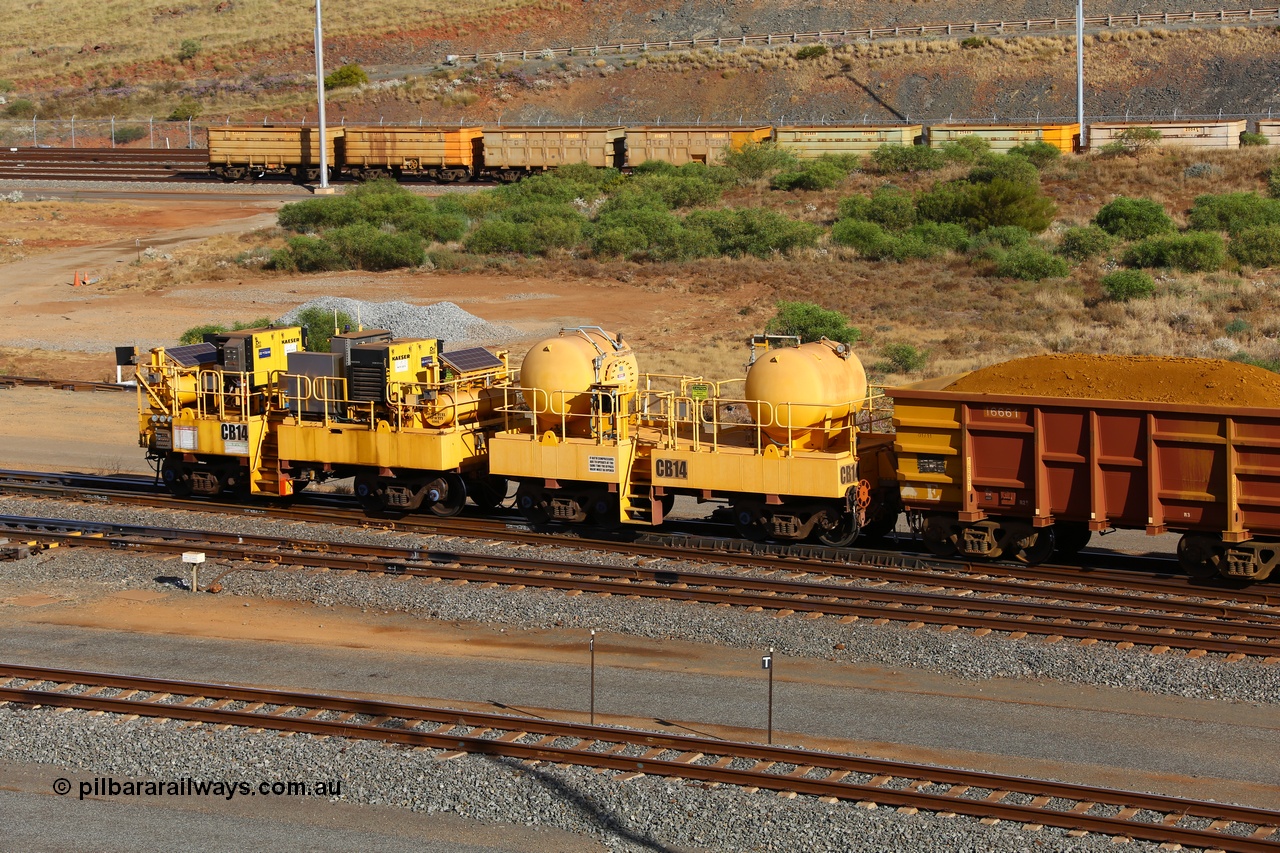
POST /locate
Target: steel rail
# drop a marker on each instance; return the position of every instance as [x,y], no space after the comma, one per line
[777,595]
[892,567]
[61,384]
[275,709]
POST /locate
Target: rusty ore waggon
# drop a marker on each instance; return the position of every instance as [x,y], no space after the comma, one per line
[801,448]
[990,475]
[509,153]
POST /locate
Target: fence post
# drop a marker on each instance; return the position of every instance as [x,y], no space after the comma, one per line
[151,128]
[35,137]
[113,131]
[190,142]
[73,131]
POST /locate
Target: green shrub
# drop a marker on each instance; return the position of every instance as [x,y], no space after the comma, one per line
[320,325]
[1134,218]
[1247,138]
[964,149]
[1004,202]
[871,241]
[905,158]
[1233,212]
[947,236]
[186,109]
[811,323]
[816,175]
[196,334]
[308,254]
[1031,263]
[628,232]
[909,245]
[1257,247]
[1133,140]
[812,51]
[681,189]
[1123,285]
[346,77]
[1040,153]
[20,108]
[974,42]
[757,160]
[1004,167]
[903,358]
[1272,364]
[888,206]
[365,247]
[1003,237]
[188,49]
[753,231]
[1196,251]
[1085,242]
[126,133]
[1273,182]
[1236,327]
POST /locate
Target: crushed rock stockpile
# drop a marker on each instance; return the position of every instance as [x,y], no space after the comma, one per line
[442,320]
[1148,379]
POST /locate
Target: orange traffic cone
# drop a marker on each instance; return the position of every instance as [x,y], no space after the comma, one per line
[76,283]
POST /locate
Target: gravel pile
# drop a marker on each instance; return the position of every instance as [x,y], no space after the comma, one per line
[441,320]
[955,653]
[642,815]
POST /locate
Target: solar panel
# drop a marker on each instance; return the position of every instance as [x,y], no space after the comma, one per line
[469,360]
[194,354]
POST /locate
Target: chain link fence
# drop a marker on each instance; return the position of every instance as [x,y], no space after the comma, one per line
[102,133]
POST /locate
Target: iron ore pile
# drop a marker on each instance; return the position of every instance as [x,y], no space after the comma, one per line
[1134,378]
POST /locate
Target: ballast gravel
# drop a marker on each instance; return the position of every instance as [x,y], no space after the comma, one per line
[644,814]
[956,653]
[443,320]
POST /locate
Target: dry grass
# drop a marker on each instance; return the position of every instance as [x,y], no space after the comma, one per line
[71,37]
[32,228]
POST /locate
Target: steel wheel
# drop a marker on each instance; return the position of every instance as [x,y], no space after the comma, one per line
[748,520]
[531,505]
[1199,556]
[1037,547]
[487,492]
[366,492]
[451,495]
[177,478]
[1071,537]
[940,534]
[843,534]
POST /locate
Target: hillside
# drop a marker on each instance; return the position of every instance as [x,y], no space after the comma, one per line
[252,58]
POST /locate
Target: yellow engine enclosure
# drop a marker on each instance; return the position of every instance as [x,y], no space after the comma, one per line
[426,450]
[802,388]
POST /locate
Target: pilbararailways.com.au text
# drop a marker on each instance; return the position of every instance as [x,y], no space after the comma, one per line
[101,786]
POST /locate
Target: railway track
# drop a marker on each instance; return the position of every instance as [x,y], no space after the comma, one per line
[106,164]
[630,753]
[61,384]
[1155,576]
[1149,621]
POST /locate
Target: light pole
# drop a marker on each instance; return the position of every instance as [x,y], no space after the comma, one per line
[1084,146]
[324,188]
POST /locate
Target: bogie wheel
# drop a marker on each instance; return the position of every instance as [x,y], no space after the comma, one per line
[531,504]
[940,535]
[1038,547]
[602,509]
[1071,537]
[453,499]
[843,534]
[748,520]
[176,478]
[366,492]
[1199,556]
[487,492]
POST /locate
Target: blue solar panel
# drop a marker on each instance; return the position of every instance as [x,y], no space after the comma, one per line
[194,354]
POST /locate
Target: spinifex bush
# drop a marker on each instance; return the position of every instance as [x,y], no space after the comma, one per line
[1123,285]
[1196,251]
[1134,218]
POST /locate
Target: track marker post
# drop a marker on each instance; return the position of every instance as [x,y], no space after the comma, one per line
[766,662]
[194,559]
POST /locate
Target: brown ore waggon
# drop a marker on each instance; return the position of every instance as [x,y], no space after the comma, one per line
[1021,474]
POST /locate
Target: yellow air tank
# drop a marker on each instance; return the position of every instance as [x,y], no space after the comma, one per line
[463,406]
[812,387]
[558,374]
